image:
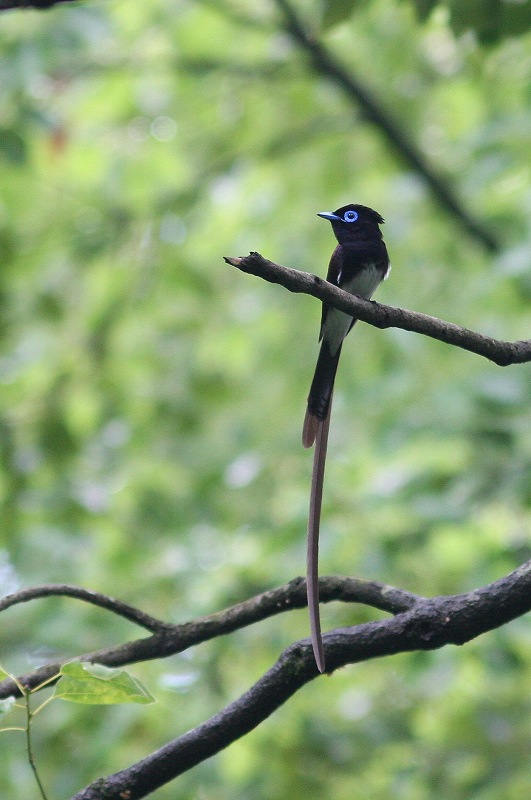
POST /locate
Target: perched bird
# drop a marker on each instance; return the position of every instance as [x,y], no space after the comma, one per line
[358,265]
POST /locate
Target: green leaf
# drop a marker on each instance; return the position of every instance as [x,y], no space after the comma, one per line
[12,146]
[337,11]
[491,20]
[95,684]
[424,8]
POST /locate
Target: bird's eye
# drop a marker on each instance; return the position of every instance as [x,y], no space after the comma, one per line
[350,216]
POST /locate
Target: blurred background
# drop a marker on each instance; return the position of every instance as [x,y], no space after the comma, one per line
[152,397]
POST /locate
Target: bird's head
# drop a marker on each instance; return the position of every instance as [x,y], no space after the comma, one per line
[353,222]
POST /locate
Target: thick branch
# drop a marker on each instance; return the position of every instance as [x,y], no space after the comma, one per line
[419,624]
[429,624]
[171,639]
[325,64]
[382,316]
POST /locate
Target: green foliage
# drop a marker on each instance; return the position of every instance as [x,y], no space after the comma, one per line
[338,11]
[95,684]
[12,146]
[152,397]
[490,20]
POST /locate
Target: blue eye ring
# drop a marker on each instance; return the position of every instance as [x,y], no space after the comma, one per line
[350,216]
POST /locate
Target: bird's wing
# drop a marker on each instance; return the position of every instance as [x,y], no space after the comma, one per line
[332,276]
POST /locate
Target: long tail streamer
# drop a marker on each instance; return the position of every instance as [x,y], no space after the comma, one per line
[312,559]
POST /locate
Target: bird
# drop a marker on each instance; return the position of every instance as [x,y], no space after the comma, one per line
[358,265]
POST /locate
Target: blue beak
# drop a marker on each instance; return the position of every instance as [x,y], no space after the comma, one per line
[328,215]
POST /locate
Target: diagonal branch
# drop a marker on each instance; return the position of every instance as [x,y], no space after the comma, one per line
[381,316]
[325,64]
[428,625]
[419,624]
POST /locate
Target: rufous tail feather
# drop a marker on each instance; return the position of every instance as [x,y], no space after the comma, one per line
[309,429]
[312,560]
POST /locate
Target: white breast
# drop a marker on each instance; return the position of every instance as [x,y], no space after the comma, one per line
[337,322]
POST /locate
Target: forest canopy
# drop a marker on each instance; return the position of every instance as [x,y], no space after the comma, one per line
[152,396]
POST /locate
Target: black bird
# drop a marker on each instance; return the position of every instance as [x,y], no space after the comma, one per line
[358,265]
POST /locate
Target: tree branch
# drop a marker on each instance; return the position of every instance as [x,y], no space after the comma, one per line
[7,5]
[324,63]
[419,624]
[381,316]
[94,598]
[171,639]
[429,624]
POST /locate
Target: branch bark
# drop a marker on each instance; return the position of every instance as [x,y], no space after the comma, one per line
[381,316]
[170,639]
[427,625]
[7,5]
[94,598]
[418,623]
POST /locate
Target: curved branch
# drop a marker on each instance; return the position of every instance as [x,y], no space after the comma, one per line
[171,639]
[419,624]
[429,624]
[325,64]
[94,598]
[381,316]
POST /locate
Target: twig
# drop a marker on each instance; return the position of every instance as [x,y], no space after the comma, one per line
[94,598]
[381,316]
[29,747]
